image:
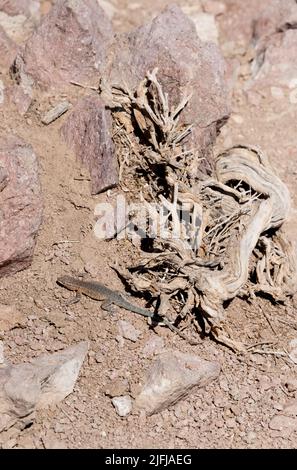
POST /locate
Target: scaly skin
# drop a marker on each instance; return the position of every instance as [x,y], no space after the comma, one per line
[97,291]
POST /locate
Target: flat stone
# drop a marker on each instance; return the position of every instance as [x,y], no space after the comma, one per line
[87,131]
[154,345]
[128,331]
[45,381]
[281,422]
[173,376]
[10,317]
[55,112]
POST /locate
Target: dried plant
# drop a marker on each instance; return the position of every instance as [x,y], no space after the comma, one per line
[217,234]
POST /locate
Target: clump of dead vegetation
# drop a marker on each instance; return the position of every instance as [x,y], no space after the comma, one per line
[216,238]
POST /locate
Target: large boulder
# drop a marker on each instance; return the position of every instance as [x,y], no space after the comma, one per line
[70,44]
[20,203]
[186,66]
[88,132]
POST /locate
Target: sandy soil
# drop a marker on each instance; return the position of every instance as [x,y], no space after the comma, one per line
[234,411]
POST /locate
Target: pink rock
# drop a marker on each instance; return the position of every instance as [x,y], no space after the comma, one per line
[236,24]
[21,205]
[47,380]
[88,131]
[185,65]
[278,15]
[275,64]
[69,45]
[8,50]
[173,376]
[19,97]
[20,7]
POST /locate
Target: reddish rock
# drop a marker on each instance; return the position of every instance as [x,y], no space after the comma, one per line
[88,131]
[185,65]
[8,50]
[278,15]
[20,202]
[69,45]
[27,8]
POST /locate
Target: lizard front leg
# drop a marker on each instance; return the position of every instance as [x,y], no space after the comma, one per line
[108,306]
[74,299]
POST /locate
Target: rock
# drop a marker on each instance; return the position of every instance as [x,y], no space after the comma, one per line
[21,205]
[281,422]
[206,27]
[186,65]
[2,358]
[154,345]
[173,376]
[58,373]
[53,442]
[236,25]
[8,50]
[10,317]
[123,405]
[70,44]
[277,16]
[88,131]
[20,98]
[28,8]
[279,68]
[291,408]
[47,380]
[14,26]
[128,331]
[108,8]
[55,112]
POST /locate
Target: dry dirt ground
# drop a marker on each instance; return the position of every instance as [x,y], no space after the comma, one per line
[236,410]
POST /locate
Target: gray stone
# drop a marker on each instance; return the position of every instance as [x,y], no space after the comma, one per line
[173,376]
[154,345]
[128,331]
[55,112]
[123,405]
[47,380]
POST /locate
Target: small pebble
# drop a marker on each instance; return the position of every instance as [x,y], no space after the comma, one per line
[123,405]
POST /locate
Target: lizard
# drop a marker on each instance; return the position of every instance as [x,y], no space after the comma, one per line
[97,291]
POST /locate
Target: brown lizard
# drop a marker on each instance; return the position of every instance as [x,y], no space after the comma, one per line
[97,291]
